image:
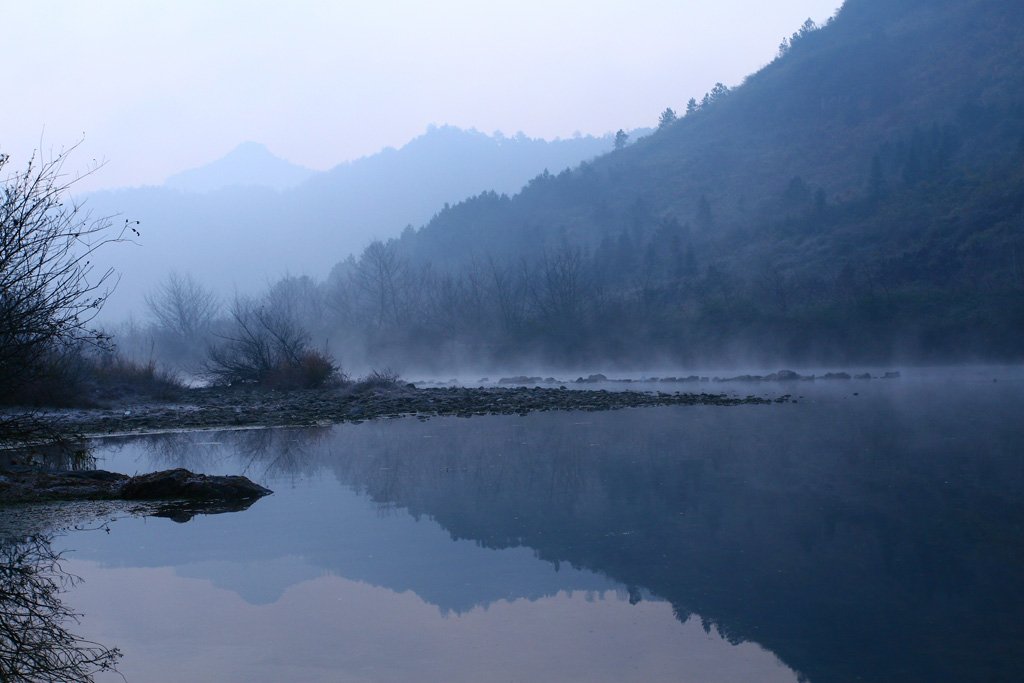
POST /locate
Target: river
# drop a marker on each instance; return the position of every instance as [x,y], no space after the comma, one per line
[872,530]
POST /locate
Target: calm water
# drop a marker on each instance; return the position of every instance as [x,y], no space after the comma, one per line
[876,536]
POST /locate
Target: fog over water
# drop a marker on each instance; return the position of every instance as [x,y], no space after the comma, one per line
[863,532]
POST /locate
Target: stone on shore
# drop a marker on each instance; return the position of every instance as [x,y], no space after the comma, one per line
[181,484]
[28,485]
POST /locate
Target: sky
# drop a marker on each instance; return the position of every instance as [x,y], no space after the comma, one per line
[149,89]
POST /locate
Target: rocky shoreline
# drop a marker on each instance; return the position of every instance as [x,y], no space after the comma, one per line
[218,408]
[210,408]
[780,376]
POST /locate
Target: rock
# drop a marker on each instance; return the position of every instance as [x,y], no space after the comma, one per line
[96,475]
[521,379]
[863,375]
[180,484]
[28,485]
[836,375]
[891,375]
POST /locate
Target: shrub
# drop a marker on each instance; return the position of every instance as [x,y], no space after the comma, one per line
[58,380]
[114,376]
[319,370]
[313,370]
[48,290]
[378,379]
[266,347]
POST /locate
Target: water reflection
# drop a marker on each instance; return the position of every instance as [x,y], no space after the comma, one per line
[36,643]
[37,640]
[868,536]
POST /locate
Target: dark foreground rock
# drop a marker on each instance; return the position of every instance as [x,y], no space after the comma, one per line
[25,485]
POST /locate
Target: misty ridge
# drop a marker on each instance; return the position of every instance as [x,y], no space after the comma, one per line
[251,217]
[860,199]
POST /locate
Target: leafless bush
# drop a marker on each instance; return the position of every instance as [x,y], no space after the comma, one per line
[268,348]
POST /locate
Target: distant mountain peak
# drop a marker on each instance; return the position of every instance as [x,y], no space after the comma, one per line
[248,164]
[251,149]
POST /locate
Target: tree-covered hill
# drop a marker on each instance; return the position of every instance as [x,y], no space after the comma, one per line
[861,195]
[226,224]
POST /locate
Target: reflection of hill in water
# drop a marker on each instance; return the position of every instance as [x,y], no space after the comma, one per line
[874,537]
[308,529]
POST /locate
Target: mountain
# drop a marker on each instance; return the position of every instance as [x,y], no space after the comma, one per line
[248,164]
[242,234]
[878,80]
[862,196]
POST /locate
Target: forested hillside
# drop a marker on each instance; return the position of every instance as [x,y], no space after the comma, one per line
[860,197]
[240,234]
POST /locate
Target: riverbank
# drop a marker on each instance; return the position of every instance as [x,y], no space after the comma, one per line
[219,408]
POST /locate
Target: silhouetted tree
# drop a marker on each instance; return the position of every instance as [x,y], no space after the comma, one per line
[667,118]
[182,307]
[621,139]
[776,287]
[719,92]
[559,290]
[507,294]
[48,291]
[381,277]
[807,27]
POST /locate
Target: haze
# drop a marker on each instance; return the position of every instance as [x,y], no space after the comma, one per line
[159,88]
[469,188]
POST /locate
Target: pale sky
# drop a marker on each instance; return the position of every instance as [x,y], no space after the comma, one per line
[159,87]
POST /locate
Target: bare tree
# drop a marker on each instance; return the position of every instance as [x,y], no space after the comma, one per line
[183,307]
[775,286]
[560,288]
[448,303]
[341,298]
[303,300]
[382,277]
[507,294]
[267,346]
[49,291]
